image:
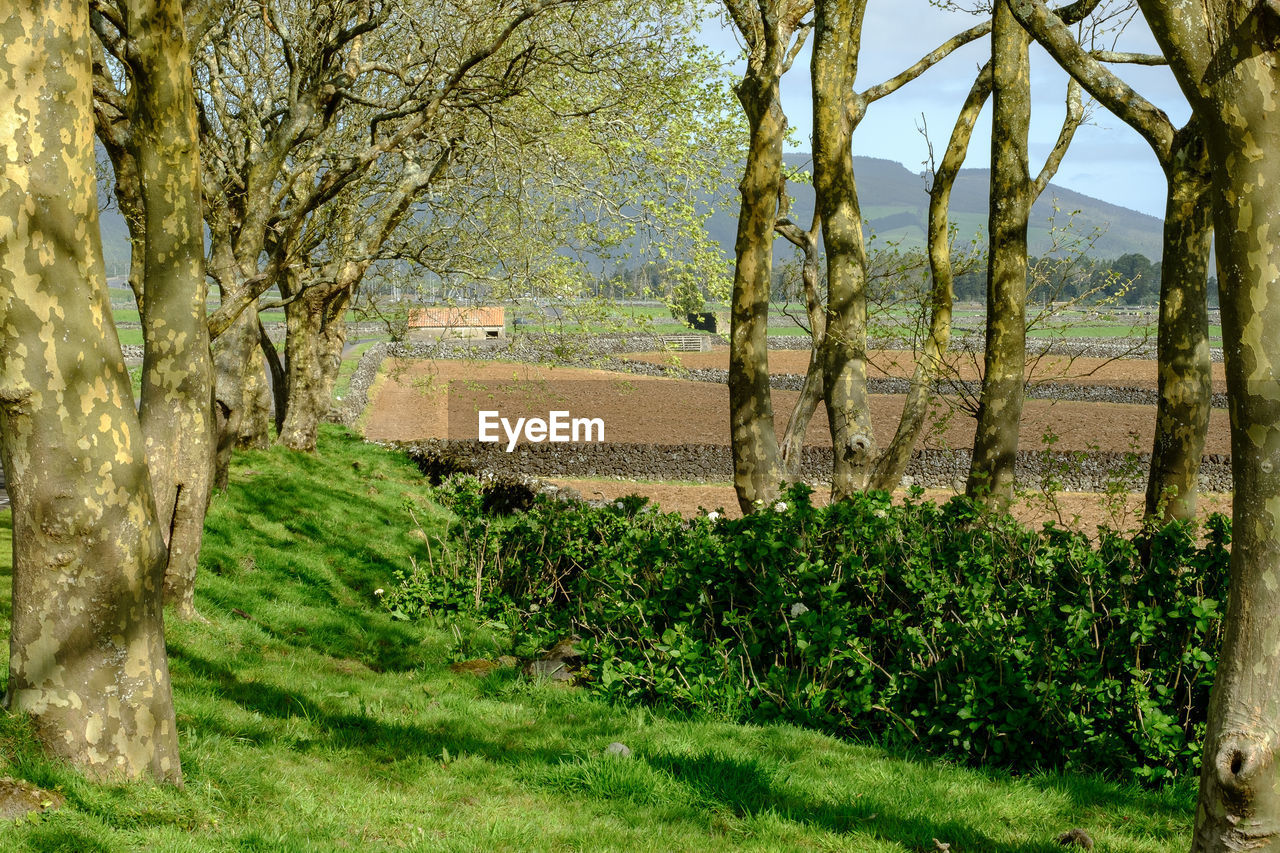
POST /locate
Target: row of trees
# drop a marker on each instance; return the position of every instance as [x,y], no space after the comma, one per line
[310,141]
[1221,169]
[324,136]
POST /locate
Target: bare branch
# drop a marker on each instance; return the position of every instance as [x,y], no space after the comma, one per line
[1070,124]
[1112,92]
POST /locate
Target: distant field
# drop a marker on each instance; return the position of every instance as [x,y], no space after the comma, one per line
[130,315]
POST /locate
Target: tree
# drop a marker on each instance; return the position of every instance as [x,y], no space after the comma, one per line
[995,447]
[87,658]
[896,456]
[560,105]
[298,104]
[842,353]
[1185,385]
[1013,190]
[837,369]
[1226,61]
[149,131]
[774,32]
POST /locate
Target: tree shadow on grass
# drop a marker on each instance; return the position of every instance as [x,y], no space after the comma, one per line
[746,787]
[382,741]
[743,787]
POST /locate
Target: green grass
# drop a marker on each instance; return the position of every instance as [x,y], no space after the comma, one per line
[311,721]
[347,368]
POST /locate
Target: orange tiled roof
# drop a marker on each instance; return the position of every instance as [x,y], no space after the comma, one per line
[456,316]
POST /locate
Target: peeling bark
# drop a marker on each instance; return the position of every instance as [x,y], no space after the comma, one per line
[177,369]
[1225,58]
[86,658]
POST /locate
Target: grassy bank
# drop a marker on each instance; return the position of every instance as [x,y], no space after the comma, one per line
[312,721]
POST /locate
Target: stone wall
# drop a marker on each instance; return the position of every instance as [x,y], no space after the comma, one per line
[939,469]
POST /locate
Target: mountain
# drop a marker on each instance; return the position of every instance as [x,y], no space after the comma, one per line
[896,206]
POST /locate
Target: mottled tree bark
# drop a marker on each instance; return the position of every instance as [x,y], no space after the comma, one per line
[1226,61]
[757,471]
[995,447]
[767,29]
[1185,385]
[86,658]
[241,392]
[177,369]
[843,351]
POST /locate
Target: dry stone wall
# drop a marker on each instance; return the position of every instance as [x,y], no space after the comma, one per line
[935,469]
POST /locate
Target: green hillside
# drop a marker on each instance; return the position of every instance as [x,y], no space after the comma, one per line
[895,204]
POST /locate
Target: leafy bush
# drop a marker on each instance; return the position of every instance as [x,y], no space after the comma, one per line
[937,626]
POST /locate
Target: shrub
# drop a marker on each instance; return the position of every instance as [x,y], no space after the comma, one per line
[938,626]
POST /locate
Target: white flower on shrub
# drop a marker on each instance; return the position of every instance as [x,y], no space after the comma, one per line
[780,506]
[713,515]
[379,591]
[798,609]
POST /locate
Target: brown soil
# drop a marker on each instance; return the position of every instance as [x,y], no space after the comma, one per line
[415,399]
[1125,372]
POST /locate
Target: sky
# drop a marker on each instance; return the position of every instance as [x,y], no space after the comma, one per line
[1107,160]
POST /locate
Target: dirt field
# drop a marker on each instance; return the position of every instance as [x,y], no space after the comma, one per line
[1128,373]
[413,400]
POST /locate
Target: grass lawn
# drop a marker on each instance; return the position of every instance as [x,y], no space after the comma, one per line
[312,721]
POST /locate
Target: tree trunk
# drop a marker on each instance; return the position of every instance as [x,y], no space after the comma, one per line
[86,657]
[1225,60]
[1240,781]
[1185,381]
[843,353]
[757,471]
[177,370]
[893,462]
[276,372]
[240,392]
[801,416]
[314,343]
[792,448]
[995,448]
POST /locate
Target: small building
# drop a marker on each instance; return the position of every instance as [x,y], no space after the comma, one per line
[457,322]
